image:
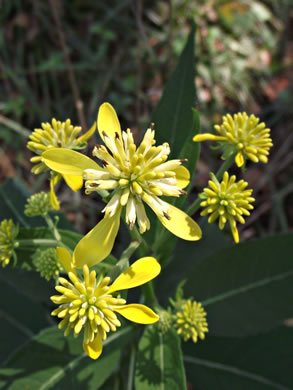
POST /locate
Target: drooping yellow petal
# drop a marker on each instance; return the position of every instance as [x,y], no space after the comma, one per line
[207,137]
[140,314]
[68,162]
[65,259]
[53,198]
[182,176]
[98,243]
[180,224]
[94,349]
[239,159]
[108,121]
[140,272]
[87,135]
[74,182]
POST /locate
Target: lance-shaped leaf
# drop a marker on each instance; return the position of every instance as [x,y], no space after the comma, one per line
[245,289]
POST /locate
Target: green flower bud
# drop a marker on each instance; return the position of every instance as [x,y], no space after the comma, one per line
[8,233]
[38,204]
[165,321]
[47,263]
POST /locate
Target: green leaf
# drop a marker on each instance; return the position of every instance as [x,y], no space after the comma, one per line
[254,362]
[20,317]
[173,116]
[245,289]
[186,255]
[159,361]
[176,121]
[52,361]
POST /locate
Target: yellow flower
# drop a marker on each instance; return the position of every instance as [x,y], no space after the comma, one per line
[228,201]
[137,175]
[57,135]
[191,321]
[241,134]
[90,303]
[8,233]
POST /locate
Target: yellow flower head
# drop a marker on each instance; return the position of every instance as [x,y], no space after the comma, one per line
[243,135]
[8,233]
[191,321]
[90,303]
[57,135]
[228,201]
[136,175]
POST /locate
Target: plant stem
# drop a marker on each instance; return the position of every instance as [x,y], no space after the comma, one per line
[143,246]
[149,293]
[53,228]
[38,241]
[131,368]
[224,167]
[15,126]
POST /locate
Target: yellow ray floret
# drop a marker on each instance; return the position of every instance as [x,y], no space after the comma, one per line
[61,135]
[136,175]
[229,201]
[89,303]
[242,135]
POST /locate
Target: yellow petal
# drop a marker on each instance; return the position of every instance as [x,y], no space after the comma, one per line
[94,349]
[239,159]
[98,243]
[53,198]
[180,224]
[65,259]
[68,162]
[140,314]
[182,176]
[87,135]
[74,182]
[140,272]
[108,121]
[207,137]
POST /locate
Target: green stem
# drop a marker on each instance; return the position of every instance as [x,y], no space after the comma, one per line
[131,368]
[53,228]
[15,126]
[224,167]
[143,246]
[149,293]
[38,241]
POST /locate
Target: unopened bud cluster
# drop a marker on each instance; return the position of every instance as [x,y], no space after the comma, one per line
[8,233]
[38,204]
[47,263]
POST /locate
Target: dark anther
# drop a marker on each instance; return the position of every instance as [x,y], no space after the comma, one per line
[167,216]
[104,163]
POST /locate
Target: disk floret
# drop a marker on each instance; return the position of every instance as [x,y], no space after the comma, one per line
[85,304]
[136,175]
[191,321]
[229,201]
[55,134]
